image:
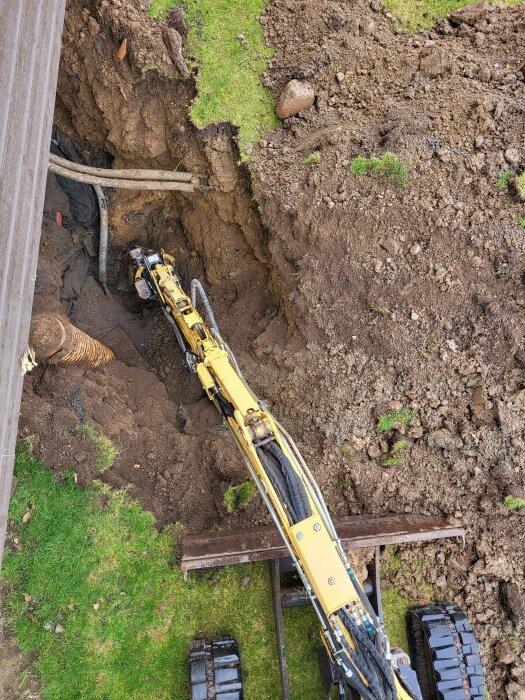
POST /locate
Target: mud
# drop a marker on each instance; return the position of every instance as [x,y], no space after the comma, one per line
[298,297]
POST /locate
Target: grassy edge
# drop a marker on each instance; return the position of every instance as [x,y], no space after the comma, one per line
[226,42]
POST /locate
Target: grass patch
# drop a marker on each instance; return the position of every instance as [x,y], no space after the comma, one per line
[514,503]
[392,563]
[229,84]
[504,177]
[314,157]
[416,14]
[109,578]
[392,419]
[239,496]
[301,629]
[382,310]
[395,609]
[521,222]
[388,167]
[107,450]
[515,643]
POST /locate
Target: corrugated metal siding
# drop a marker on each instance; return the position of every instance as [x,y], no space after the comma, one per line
[30,39]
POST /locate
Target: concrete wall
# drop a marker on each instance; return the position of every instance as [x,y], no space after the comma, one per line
[30,38]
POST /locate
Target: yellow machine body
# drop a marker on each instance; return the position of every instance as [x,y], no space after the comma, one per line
[311,541]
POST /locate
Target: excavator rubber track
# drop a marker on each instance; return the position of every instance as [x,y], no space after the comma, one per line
[445,653]
[215,670]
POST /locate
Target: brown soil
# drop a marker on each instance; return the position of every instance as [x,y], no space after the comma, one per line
[296,297]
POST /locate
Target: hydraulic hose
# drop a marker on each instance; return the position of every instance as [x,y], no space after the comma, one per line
[196,286]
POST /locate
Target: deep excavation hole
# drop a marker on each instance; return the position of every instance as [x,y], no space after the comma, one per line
[174,452]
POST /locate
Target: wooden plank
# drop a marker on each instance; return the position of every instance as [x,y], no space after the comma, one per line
[262,543]
[30,39]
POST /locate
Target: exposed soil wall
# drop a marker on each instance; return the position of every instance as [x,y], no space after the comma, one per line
[295,296]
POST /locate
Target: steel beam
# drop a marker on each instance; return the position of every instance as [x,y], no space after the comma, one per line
[263,543]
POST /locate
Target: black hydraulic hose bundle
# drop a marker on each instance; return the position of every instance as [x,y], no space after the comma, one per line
[371,663]
[285,481]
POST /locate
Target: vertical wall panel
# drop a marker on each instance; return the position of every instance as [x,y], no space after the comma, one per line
[30,39]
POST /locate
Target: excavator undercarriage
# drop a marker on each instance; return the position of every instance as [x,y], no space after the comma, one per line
[362,663]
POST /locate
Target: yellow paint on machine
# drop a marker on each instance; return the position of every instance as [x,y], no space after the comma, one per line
[322,564]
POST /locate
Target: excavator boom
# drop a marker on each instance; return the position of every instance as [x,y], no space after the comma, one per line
[351,631]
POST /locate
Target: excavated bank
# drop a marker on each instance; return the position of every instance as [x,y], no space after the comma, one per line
[357,297]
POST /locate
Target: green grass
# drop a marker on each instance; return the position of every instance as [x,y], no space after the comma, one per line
[395,609]
[109,578]
[301,629]
[107,450]
[229,78]
[239,496]
[391,461]
[515,643]
[521,222]
[514,503]
[388,167]
[504,177]
[392,563]
[393,419]
[314,157]
[415,14]
[382,310]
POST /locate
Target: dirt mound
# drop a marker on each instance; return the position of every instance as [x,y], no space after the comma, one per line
[417,292]
[357,297]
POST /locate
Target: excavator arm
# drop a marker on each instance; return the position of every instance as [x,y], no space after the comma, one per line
[350,629]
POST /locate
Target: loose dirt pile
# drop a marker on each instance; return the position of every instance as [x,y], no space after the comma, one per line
[356,296]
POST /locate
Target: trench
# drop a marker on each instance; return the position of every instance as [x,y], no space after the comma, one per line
[174,455]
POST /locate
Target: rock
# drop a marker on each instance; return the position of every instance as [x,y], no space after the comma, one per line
[59,629]
[478,141]
[48,626]
[245,581]
[374,451]
[339,77]
[415,249]
[512,156]
[294,97]
[444,440]
[441,582]
[515,691]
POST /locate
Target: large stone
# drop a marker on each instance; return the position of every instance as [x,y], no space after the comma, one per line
[294,97]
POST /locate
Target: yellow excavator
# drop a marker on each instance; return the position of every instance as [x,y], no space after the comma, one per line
[445,654]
